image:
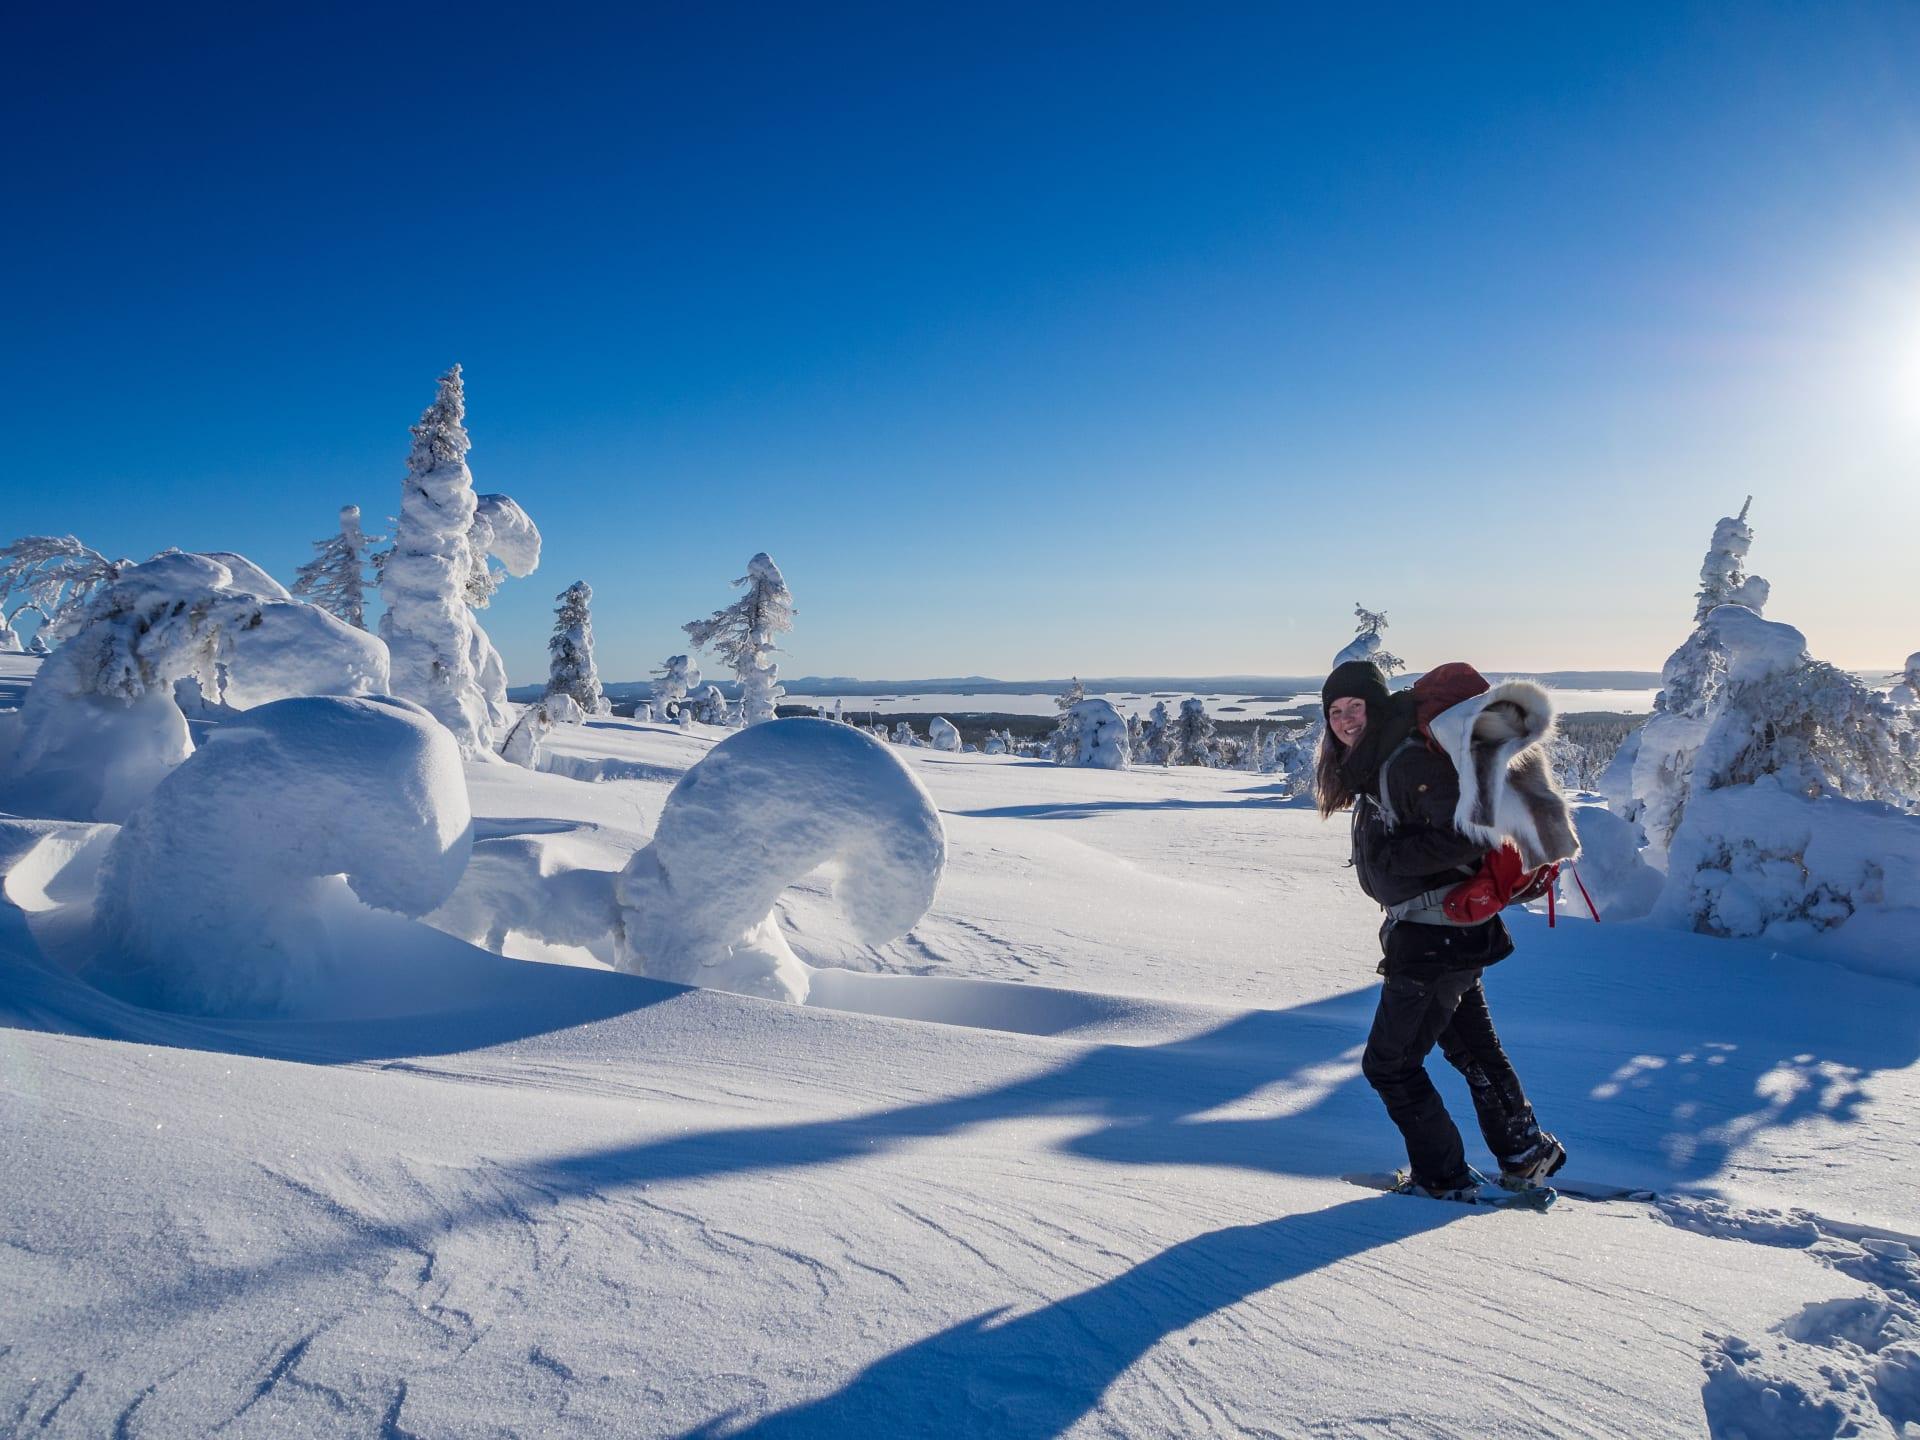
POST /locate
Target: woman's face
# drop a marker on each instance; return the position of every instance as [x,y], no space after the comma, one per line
[1347,718]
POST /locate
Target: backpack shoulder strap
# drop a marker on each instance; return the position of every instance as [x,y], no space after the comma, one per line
[1382,796]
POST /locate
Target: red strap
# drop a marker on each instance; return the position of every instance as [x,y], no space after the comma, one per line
[1583,893]
[1550,919]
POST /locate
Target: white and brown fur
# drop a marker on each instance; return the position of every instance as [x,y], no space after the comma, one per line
[1496,741]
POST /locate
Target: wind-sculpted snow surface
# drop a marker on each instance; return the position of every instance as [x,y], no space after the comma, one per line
[764,809]
[213,897]
[100,726]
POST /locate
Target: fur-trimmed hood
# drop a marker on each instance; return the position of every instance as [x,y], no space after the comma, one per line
[1496,741]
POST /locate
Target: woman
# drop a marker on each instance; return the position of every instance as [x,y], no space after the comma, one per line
[1432,993]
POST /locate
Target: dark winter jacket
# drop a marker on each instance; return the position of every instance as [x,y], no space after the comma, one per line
[1421,852]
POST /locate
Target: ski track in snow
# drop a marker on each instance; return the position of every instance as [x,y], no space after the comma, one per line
[693,1214]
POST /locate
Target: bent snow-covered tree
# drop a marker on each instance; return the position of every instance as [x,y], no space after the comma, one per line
[101,726]
[54,577]
[766,808]
[571,670]
[437,572]
[336,578]
[1366,643]
[743,636]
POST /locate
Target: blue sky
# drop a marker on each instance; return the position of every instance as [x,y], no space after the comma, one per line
[1029,340]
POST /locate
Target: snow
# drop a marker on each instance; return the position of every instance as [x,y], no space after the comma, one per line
[1063,1159]
[943,735]
[101,726]
[213,896]
[765,808]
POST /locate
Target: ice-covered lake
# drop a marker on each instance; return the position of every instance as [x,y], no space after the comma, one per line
[1226,705]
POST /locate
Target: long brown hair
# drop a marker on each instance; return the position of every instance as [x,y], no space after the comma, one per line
[1330,789]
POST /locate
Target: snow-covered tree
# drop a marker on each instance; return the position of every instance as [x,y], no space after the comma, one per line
[995,745]
[336,578]
[673,681]
[712,708]
[442,659]
[1155,734]
[1366,643]
[943,734]
[1906,691]
[1648,780]
[1253,752]
[743,636]
[1064,744]
[1190,742]
[54,576]
[9,639]
[101,725]
[903,734]
[1100,735]
[1778,835]
[570,669]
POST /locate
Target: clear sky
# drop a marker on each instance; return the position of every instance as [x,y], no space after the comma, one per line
[1028,339]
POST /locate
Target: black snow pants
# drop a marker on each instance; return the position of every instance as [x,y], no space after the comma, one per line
[1450,1008]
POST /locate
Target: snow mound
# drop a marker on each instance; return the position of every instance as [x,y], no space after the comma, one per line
[765,808]
[212,897]
[943,734]
[1623,886]
[100,727]
[1820,876]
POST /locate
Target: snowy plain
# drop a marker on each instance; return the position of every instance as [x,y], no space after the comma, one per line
[1064,1160]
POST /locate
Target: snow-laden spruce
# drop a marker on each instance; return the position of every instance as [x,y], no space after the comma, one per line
[1791,826]
[101,725]
[766,808]
[1100,736]
[213,897]
[438,570]
[570,669]
[336,578]
[1648,780]
[1190,741]
[1064,743]
[743,636]
[943,734]
[1366,643]
[672,683]
[1906,691]
[533,724]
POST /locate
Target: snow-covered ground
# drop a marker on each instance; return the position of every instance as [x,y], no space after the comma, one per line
[1065,1159]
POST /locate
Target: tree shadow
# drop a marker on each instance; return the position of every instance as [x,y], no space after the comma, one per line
[1035,1375]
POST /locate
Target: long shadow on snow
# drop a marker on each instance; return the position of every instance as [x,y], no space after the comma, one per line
[1037,1374]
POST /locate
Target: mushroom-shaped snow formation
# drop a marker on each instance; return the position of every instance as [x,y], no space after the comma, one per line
[766,807]
[214,896]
